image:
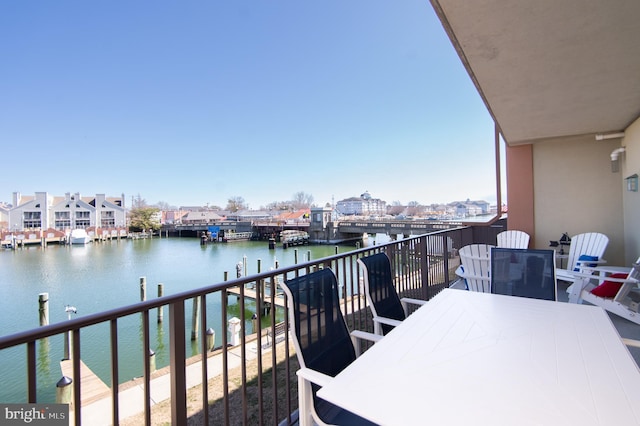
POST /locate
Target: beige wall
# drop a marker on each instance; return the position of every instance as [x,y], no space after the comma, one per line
[575,192]
[630,164]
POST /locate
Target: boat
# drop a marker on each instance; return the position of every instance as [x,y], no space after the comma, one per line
[231,236]
[293,238]
[79,236]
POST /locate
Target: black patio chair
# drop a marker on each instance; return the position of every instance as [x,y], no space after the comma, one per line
[523,272]
[387,307]
[324,346]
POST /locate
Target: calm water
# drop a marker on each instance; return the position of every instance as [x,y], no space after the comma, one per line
[98,277]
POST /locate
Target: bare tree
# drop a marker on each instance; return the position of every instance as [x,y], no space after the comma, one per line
[236,203]
[395,209]
[302,200]
[163,205]
[138,202]
[279,205]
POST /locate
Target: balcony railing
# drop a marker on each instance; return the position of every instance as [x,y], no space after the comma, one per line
[423,266]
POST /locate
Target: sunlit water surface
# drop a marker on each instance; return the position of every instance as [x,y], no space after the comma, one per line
[103,276]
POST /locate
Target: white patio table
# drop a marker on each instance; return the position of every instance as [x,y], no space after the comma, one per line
[469,358]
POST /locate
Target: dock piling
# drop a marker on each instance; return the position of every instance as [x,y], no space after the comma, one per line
[160,308]
[43,308]
[143,289]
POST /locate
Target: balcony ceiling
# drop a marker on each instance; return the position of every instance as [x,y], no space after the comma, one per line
[550,68]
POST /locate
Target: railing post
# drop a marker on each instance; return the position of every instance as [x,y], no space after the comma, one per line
[177,362]
[424,264]
[194,318]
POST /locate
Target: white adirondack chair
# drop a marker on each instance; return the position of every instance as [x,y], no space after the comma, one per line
[620,304]
[589,244]
[513,239]
[476,267]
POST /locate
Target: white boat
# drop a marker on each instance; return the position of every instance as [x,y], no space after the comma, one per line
[79,236]
[230,236]
[293,238]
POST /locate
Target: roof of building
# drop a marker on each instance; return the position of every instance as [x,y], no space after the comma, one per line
[203,215]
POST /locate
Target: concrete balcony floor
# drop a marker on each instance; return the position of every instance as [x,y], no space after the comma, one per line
[625,328]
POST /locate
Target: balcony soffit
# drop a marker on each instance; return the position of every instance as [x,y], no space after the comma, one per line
[550,69]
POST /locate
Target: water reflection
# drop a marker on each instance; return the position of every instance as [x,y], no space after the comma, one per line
[100,277]
[44,359]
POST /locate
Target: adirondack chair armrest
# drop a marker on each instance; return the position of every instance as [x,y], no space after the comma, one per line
[590,262]
[406,301]
[592,274]
[618,280]
[473,257]
[582,275]
[358,336]
[475,277]
[583,279]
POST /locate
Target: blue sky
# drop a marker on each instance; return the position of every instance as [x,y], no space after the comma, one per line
[195,102]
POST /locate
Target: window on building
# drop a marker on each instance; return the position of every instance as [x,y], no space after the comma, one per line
[31,220]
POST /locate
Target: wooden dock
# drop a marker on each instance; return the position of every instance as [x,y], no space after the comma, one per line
[251,294]
[345,305]
[92,388]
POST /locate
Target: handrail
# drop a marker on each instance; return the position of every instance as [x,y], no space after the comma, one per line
[421,265]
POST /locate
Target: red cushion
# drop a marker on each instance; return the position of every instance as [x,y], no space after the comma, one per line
[609,288]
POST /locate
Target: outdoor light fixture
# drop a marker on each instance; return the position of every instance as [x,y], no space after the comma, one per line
[632,183]
[565,240]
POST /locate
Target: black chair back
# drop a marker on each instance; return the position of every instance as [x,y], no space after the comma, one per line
[323,340]
[523,272]
[381,294]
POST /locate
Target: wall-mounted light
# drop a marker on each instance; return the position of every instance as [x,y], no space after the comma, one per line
[632,183]
[615,164]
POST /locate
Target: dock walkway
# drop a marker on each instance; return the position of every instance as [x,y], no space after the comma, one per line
[131,395]
[92,388]
[252,294]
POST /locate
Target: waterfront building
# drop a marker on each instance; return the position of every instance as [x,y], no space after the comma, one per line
[364,205]
[4,216]
[297,216]
[249,215]
[471,208]
[201,217]
[170,217]
[72,211]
